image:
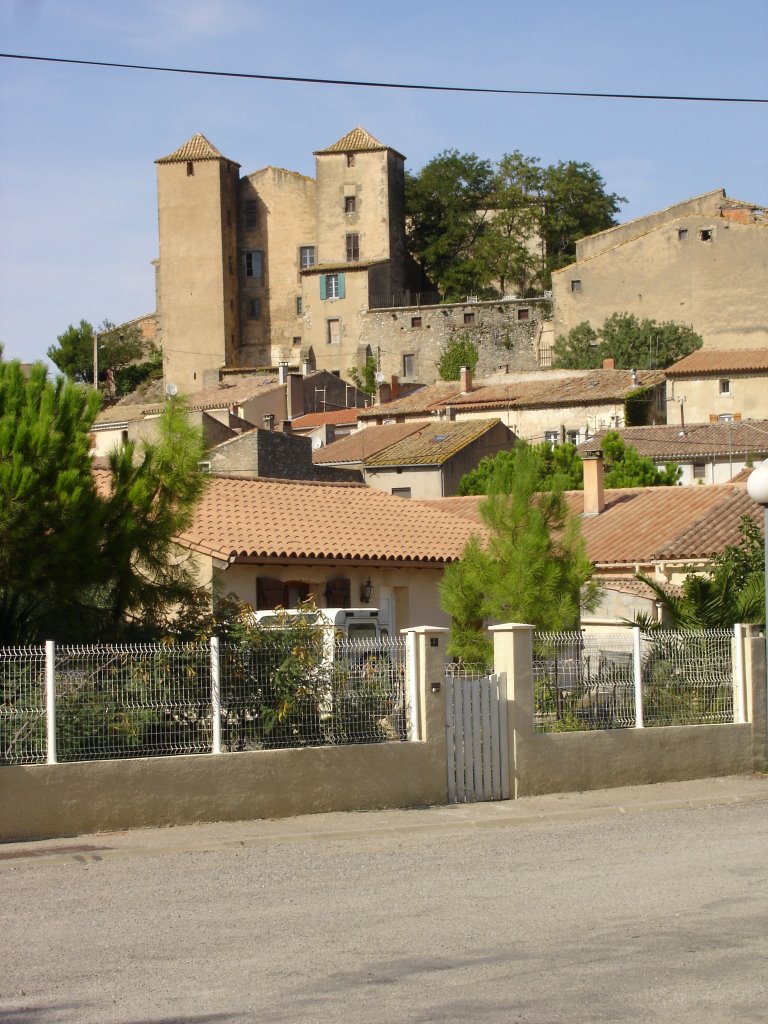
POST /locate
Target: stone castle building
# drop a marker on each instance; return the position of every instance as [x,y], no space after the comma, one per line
[275,267]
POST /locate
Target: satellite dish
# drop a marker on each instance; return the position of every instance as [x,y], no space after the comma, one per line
[171,390]
[380,378]
[317,442]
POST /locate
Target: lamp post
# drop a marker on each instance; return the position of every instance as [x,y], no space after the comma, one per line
[757,488]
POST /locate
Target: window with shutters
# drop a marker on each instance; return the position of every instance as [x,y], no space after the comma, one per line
[331,286]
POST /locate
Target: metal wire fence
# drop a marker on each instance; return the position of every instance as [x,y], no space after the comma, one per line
[630,679]
[22,705]
[155,699]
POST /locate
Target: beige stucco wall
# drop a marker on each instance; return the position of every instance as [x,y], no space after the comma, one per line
[702,398]
[717,286]
[348,311]
[197,279]
[533,424]
[285,221]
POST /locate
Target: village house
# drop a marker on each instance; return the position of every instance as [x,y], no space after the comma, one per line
[707,453]
[721,385]
[702,262]
[417,459]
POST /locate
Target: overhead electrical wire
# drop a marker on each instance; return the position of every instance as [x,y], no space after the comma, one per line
[304,80]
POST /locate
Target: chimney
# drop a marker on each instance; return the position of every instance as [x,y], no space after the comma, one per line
[282,372]
[286,426]
[609,364]
[306,368]
[466,380]
[594,492]
[269,421]
[635,379]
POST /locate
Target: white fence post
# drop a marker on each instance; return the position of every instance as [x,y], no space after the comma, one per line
[739,676]
[215,696]
[50,700]
[638,674]
[412,667]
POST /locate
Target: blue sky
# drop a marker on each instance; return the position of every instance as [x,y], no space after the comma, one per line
[77,176]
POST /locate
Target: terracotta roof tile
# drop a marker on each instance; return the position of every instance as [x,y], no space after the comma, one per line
[325,268]
[641,525]
[737,360]
[196,148]
[360,445]
[356,141]
[676,443]
[431,445]
[586,388]
[422,401]
[317,419]
[280,519]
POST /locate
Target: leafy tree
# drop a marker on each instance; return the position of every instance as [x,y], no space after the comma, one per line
[365,381]
[733,590]
[119,348]
[445,204]
[77,563]
[575,205]
[531,568]
[560,466]
[631,343]
[459,352]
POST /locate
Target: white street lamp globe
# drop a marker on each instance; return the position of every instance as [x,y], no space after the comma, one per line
[757,484]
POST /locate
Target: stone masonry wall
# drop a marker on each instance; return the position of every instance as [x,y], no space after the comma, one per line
[507,334]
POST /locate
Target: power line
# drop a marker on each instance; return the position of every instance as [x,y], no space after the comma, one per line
[388,85]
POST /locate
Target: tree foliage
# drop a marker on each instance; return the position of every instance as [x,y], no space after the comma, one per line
[365,380]
[478,227]
[560,466]
[77,562]
[532,567]
[631,343]
[460,351]
[733,590]
[122,349]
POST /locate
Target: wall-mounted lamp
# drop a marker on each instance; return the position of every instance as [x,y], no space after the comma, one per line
[366,591]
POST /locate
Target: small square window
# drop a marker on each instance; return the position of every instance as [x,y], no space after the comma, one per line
[299,305]
[401,492]
[705,235]
[353,248]
[349,204]
[190,168]
[415,321]
[551,437]
[572,436]
[350,159]
[682,234]
[469,318]
[575,285]
[255,309]
[306,256]
[699,470]
[725,417]
[297,339]
[254,263]
[409,365]
[523,314]
[725,387]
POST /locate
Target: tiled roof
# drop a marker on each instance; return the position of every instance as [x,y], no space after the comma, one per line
[337,417]
[114,414]
[695,440]
[360,445]
[737,360]
[422,401]
[641,525]
[629,585]
[588,388]
[430,445]
[327,268]
[356,141]
[196,148]
[281,519]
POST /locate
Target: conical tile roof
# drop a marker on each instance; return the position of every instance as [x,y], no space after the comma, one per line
[356,141]
[196,148]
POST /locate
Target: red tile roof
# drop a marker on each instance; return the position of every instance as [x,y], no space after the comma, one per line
[260,518]
[695,440]
[706,360]
[590,387]
[358,446]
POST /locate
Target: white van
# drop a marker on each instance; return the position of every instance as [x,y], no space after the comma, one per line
[354,623]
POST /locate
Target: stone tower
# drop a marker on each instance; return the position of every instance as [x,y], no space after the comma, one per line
[197,272]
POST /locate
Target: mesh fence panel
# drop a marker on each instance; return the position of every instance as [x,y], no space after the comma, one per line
[274,696]
[583,681]
[137,700]
[688,677]
[586,680]
[22,705]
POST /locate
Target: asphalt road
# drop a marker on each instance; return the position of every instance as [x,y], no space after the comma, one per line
[657,911]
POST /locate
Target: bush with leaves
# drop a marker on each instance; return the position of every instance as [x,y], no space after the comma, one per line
[631,343]
[460,351]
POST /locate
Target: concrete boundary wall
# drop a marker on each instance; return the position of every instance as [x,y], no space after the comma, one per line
[577,761]
[44,801]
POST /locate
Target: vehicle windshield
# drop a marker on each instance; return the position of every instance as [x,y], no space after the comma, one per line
[357,630]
